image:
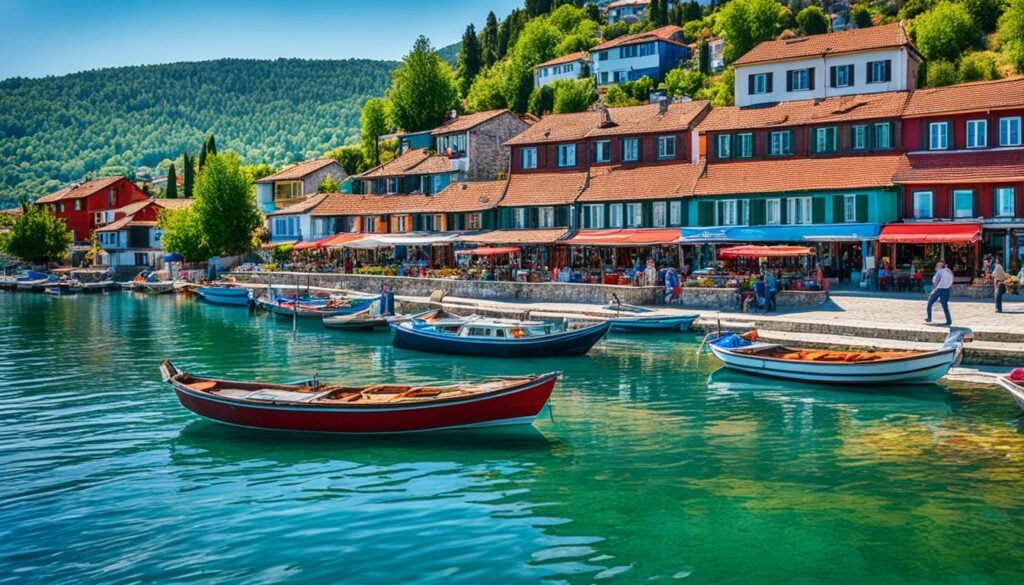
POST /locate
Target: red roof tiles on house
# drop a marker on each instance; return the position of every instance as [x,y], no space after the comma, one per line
[301,207]
[298,170]
[617,183]
[783,176]
[416,161]
[77,191]
[806,112]
[620,121]
[467,122]
[967,97]
[973,167]
[669,34]
[543,189]
[837,43]
[463,197]
[570,58]
[336,205]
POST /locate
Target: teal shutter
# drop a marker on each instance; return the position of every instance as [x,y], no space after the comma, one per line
[838,208]
[818,209]
[562,216]
[505,218]
[862,208]
[705,213]
[783,211]
[533,217]
[757,212]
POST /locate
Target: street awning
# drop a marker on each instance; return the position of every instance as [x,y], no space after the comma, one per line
[488,251]
[313,245]
[764,252]
[782,233]
[930,233]
[272,245]
[339,240]
[410,239]
[625,237]
[536,237]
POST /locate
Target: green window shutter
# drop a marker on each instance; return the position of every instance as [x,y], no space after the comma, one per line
[838,208]
[533,217]
[562,215]
[818,209]
[757,212]
[862,208]
[505,218]
[783,211]
[705,213]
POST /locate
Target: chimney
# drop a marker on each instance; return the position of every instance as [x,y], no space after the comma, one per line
[453,114]
[663,105]
[606,117]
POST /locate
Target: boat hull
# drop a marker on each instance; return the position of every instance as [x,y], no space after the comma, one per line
[518,405]
[238,297]
[1016,391]
[576,342]
[653,323]
[286,311]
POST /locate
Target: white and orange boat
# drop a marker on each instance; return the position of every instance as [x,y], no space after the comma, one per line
[1014,384]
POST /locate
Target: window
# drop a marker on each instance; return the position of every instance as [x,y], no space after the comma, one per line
[141,259]
[659,214]
[722,142]
[546,217]
[842,76]
[630,149]
[880,71]
[604,78]
[760,83]
[800,210]
[800,79]
[666,147]
[1005,199]
[938,135]
[922,204]
[744,145]
[977,133]
[474,221]
[593,216]
[883,136]
[286,226]
[859,138]
[675,213]
[825,140]
[455,143]
[402,223]
[566,155]
[519,218]
[634,215]
[370,224]
[629,51]
[773,211]
[963,203]
[602,151]
[78,205]
[112,198]
[62,208]
[782,143]
[602,56]
[1009,131]
[728,212]
[529,157]
[615,215]
[647,49]
[621,76]
[393,186]
[850,208]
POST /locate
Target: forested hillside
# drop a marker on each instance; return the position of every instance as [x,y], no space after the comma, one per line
[57,129]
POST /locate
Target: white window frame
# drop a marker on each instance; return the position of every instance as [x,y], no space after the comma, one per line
[566,155]
[519,218]
[630,149]
[843,75]
[877,72]
[529,157]
[474,221]
[879,126]
[1010,131]
[392,190]
[773,211]
[977,133]
[659,214]
[860,138]
[666,147]
[723,140]
[938,136]
[546,217]
[801,75]
[821,139]
[746,146]
[801,210]
[594,215]
[675,213]
[616,217]
[727,212]
[924,200]
[402,223]
[1006,201]
[961,213]
[603,151]
[760,83]
[850,208]
[634,215]
[781,141]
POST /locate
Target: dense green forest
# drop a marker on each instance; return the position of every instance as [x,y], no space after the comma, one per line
[58,129]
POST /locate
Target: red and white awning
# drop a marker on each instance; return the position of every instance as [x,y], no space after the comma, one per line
[930,233]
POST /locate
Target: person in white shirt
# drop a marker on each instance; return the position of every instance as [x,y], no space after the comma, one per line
[942,282]
[999,277]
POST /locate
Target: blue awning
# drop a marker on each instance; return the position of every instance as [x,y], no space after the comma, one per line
[782,233]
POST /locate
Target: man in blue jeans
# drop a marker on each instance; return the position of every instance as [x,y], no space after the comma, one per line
[942,282]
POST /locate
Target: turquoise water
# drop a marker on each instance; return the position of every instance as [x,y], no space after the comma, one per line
[651,469]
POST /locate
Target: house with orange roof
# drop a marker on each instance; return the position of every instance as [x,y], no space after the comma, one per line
[630,57]
[85,206]
[293,183]
[567,67]
[877,59]
[131,239]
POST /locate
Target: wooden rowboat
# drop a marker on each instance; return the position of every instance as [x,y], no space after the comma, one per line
[837,367]
[374,409]
[224,295]
[1015,388]
[329,308]
[654,323]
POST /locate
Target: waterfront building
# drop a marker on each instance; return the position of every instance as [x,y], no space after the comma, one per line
[628,11]
[293,184]
[567,67]
[877,59]
[86,206]
[130,237]
[630,57]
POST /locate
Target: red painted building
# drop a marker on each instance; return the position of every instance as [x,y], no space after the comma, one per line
[85,206]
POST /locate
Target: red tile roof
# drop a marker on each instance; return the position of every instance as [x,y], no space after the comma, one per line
[301,207]
[806,112]
[617,183]
[336,205]
[963,167]
[77,191]
[665,33]
[543,189]
[967,97]
[621,121]
[837,43]
[570,58]
[462,197]
[298,170]
[783,176]
[416,161]
[467,122]
[545,236]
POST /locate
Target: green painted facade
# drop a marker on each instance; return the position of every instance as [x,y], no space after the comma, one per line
[827,207]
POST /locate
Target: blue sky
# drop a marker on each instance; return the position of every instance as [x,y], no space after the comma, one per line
[54,37]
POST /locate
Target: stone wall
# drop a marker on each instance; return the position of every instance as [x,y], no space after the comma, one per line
[488,154]
[312,182]
[557,292]
[723,298]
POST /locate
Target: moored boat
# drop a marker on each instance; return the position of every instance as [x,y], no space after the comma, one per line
[653,323]
[377,409]
[745,354]
[224,295]
[437,332]
[288,308]
[361,321]
[1014,384]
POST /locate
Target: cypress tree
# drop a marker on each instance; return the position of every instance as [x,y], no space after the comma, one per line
[211,146]
[468,62]
[705,58]
[202,156]
[171,192]
[489,40]
[188,176]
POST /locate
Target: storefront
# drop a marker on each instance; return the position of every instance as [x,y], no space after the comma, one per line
[618,256]
[914,248]
[537,261]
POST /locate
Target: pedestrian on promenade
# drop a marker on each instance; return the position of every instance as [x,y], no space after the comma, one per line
[999,283]
[671,285]
[942,282]
[651,274]
[771,285]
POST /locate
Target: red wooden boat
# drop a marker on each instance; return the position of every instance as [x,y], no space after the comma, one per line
[381,408]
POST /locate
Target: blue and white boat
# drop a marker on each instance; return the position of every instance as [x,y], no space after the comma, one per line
[654,323]
[289,308]
[225,295]
[437,332]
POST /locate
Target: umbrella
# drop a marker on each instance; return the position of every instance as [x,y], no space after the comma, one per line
[175,257]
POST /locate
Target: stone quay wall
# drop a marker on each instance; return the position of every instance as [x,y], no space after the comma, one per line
[720,298]
[558,292]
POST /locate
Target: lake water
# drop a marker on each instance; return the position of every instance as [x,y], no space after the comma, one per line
[652,467]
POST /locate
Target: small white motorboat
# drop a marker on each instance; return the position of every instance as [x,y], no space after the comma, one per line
[1014,384]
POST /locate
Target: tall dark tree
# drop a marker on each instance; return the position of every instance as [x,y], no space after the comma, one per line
[171,192]
[468,62]
[211,145]
[538,7]
[658,12]
[188,175]
[489,40]
[704,58]
[693,11]
[202,156]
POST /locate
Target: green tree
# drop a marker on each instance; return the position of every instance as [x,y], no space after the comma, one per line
[573,96]
[468,62]
[489,41]
[328,185]
[538,7]
[351,158]
[211,145]
[746,23]
[542,100]
[38,237]
[861,16]
[422,89]
[1011,34]
[188,179]
[616,30]
[812,21]
[183,234]
[202,157]
[658,12]
[686,82]
[617,97]
[978,66]
[720,89]
[945,32]
[488,91]
[704,58]
[375,121]
[254,173]
[940,73]
[984,13]
[226,206]
[171,192]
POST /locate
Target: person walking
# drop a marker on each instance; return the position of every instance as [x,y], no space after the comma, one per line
[999,282]
[671,285]
[942,282]
[772,284]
